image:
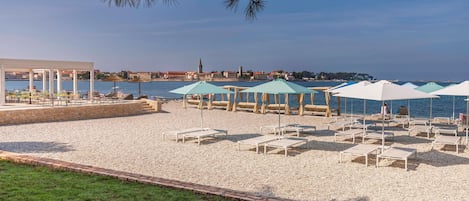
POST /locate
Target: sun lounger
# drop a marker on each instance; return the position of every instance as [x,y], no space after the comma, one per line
[451,140]
[202,134]
[359,125]
[284,143]
[256,141]
[352,133]
[298,128]
[378,135]
[446,130]
[339,125]
[272,128]
[360,150]
[178,133]
[397,153]
[421,128]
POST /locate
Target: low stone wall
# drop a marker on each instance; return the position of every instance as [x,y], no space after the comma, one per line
[68,113]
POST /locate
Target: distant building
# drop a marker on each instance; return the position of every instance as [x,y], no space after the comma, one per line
[240,71]
[260,76]
[230,74]
[200,69]
[175,75]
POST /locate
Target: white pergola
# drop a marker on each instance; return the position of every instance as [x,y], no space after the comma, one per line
[45,67]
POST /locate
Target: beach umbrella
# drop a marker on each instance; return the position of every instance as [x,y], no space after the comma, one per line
[279,86]
[384,91]
[200,88]
[410,85]
[114,78]
[461,89]
[428,88]
[353,87]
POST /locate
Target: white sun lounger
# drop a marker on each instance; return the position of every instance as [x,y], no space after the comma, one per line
[284,143]
[452,140]
[202,134]
[422,128]
[256,141]
[352,133]
[272,128]
[178,133]
[360,150]
[298,128]
[442,130]
[397,153]
[377,135]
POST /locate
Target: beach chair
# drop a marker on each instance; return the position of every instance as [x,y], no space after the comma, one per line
[450,140]
[203,134]
[446,130]
[421,128]
[340,124]
[377,135]
[397,153]
[178,133]
[284,143]
[272,129]
[360,150]
[349,133]
[256,141]
[297,128]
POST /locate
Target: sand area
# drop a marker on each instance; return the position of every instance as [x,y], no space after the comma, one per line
[310,172]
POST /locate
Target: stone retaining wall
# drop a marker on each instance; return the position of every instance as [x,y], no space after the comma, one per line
[68,113]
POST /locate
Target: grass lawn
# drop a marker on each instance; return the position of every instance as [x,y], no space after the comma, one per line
[27,182]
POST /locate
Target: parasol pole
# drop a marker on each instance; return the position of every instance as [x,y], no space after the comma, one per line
[431,103]
[467,120]
[408,113]
[364,116]
[278,113]
[382,126]
[201,111]
[453,108]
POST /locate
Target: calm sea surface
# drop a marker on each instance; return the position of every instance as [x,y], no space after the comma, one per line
[442,107]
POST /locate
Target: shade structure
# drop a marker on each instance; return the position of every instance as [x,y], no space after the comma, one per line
[428,88]
[384,91]
[279,86]
[200,88]
[354,87]
[410,85]
[345,84]
[461,89]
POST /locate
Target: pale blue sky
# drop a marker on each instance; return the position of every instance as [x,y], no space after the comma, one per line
[390,39]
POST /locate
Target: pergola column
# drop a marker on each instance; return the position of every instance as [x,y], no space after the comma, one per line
[31,80]
[51,83]
[44,81]
[75,84]
[2,85]
[59,81]
[91,84]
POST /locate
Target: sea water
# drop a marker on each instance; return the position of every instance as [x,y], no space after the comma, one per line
[441,107]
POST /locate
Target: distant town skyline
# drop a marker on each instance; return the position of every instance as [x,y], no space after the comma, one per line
[402,39]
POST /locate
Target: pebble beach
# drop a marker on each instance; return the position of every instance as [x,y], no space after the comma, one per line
[310,172]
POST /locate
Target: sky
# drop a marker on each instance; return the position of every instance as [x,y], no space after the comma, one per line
[389,39]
